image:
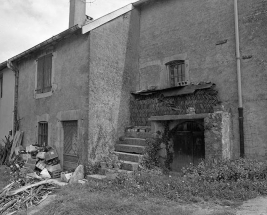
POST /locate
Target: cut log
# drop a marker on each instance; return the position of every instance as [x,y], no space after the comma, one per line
[16,142]
[7,205]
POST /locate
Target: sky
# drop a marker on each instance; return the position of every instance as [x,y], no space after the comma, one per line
[26,23]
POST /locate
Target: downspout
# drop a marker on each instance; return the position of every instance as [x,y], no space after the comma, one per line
[239,84]
[11,66]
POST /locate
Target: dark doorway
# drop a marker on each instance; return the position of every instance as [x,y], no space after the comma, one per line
[188,144]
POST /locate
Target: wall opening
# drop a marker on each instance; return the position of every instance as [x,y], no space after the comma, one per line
[193,138]
[188,144]
[70,145]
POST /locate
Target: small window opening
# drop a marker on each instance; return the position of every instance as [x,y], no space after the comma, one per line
[44,73]
[177,73]
[42,134]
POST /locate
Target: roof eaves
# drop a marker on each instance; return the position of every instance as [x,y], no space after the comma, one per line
[55,38]
[3,65]
[107,18]
[139,3]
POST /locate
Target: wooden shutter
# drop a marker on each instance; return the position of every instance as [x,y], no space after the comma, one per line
[40,72]
[47,72]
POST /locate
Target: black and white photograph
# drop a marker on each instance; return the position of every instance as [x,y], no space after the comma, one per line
[133,107]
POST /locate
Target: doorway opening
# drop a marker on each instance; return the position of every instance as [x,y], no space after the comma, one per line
[70,145]
[188,144]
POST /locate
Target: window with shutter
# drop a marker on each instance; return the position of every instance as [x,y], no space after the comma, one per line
[44,72]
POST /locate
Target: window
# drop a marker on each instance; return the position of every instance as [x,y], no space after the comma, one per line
[42,133]
[44,73]
[1,85]
[177,73]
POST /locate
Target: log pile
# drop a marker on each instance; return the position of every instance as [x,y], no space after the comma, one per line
[16,196]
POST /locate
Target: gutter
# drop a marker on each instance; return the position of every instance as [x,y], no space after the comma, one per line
[11,66]
[239,84]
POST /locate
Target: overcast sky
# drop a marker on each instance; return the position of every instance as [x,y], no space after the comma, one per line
[25,23]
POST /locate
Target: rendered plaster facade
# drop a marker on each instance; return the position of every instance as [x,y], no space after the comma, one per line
[190,30]
[112,76]
[68,99]
[7,103]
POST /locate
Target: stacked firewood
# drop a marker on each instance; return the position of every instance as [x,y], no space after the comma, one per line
[19,196]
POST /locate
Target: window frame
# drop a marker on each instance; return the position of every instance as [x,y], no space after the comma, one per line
[44,74]
[177,72]
[43,133]
[184,75]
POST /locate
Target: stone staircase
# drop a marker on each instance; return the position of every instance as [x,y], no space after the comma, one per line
[130,150]
[131,147]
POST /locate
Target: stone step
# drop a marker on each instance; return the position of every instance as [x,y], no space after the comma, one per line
[130,166]
[129,157]
[135,134]
[129,148]
[133,141]
[138,128]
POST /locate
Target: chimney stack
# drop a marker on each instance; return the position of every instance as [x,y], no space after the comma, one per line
[77,12]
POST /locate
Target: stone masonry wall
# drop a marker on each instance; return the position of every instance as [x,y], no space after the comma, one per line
[189,30]
[218,136]
[112,76]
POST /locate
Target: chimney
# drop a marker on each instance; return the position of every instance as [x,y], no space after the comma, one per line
[77,12]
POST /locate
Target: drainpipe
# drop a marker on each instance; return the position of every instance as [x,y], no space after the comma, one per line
[11,66]
[239,84]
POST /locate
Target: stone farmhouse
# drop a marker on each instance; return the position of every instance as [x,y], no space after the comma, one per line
[193,69]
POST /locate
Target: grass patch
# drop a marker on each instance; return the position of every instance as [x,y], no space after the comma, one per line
[4,176]
[224,181]
[84,199]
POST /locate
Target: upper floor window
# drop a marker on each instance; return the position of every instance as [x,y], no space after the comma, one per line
[42,134]
[1,85]
[177,72]
[44,73]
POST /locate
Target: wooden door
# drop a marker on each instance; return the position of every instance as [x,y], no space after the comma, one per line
[188,145]
[71,146]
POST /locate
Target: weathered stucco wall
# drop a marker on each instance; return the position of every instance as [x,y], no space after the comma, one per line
[7,103]
[218,141]
[69,100]
[189,30]
[113,74]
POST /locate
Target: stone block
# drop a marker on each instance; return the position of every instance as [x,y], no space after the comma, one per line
[130,148]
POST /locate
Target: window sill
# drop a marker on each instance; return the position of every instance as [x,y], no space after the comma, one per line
[42,95]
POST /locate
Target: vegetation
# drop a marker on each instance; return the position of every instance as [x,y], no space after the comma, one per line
[227,183]
[223,180]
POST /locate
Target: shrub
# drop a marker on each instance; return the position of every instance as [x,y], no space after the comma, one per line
[228,170]
[241,179]
[151,159]
[91,168]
